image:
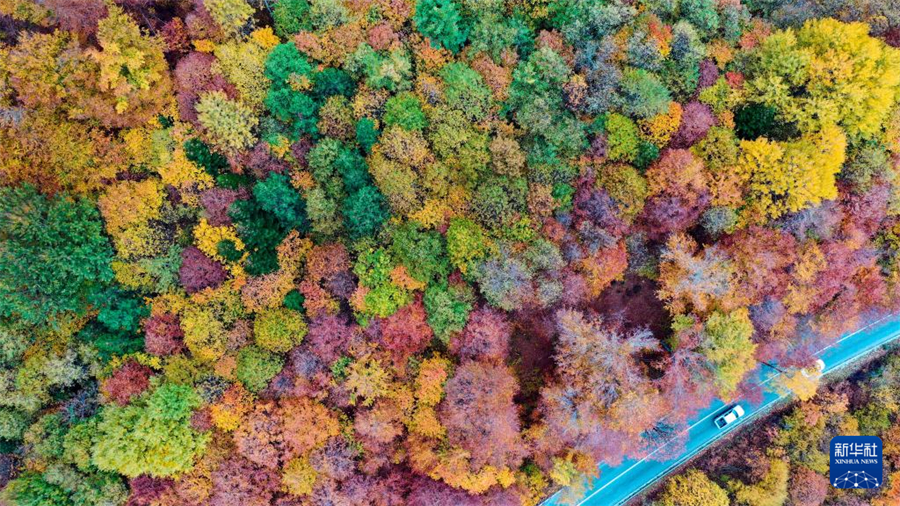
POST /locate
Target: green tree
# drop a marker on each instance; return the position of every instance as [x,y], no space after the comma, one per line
[643,94]
[466,243]
[538,103]
[494,32]
[448,307]
[422,252]
[464,91]
[326,14]
[291,16]
[45,437]
[288,98]
[497,200]
[442,22]
[278,330]
[276,196]
[322,211]
[622,138]
[702,14]
[404,110]
[31,489]
[152,435]
[256,366]
[54,258]
[364,212]
[261,233]
[121,311]
[391,71]
[681,70]
[13,344]
[12,424]
[366,134]
[373,268]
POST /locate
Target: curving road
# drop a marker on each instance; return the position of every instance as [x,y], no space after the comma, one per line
[617,485]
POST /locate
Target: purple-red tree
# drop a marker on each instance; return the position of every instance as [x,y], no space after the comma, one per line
[406,332]
[126,382]
[480,415]
[198,271]
[163,335]
[807,487]
[696,120]
[329,336]
[239,482]
[485,337]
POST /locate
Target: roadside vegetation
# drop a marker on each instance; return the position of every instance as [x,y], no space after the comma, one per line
[783,459]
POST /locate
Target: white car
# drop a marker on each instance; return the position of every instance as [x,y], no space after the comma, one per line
[729,417]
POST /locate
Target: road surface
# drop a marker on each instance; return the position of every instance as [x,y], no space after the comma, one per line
[616,485]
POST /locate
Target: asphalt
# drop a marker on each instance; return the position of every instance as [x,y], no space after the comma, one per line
[616,485]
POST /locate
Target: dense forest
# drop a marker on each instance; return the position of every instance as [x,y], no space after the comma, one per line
[785,461]
[423,253]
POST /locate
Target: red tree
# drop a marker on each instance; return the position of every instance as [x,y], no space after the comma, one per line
[198,271]
[80,16]
[602,400]
[406,332]
[808,488]
[480,415]
[307,425]
[126,382]
[329,336]
[696,120]
[259,437]
[239,482]
[427,492]
[193,77]
[163,335]
[146,491]
[762,258]
[216,201]
[485,337]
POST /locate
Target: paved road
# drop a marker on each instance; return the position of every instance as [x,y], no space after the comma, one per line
[616,485]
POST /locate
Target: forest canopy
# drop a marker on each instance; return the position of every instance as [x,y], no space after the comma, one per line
[416,253]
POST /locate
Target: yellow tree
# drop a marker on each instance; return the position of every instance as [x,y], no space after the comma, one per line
[786,177]
[728,347]
[41,66]
[54,154]
[228,123]
[772,490]
[693,488]
[243,64]
[231,15]
[802,291]
[803,383]
[827,72]
[127,208]
[131,84]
